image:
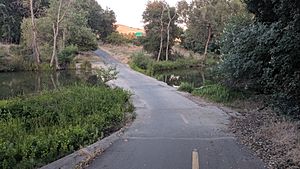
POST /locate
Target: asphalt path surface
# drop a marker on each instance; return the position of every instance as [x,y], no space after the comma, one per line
[171,131]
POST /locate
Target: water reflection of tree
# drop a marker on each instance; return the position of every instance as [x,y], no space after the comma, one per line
[175,78]
[19,83]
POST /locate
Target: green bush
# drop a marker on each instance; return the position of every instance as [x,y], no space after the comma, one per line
[83,38]
[178,64]
[144,64]
[116,38]
[10,62]
[38,129]
[186,87]
[264,57]
[46,52]
[217,93]
[141,60]
[66,56]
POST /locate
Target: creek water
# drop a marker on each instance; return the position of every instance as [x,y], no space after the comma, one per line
[176,77]
[19,83]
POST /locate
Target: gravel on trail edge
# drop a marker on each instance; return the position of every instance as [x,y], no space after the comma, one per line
[274,139]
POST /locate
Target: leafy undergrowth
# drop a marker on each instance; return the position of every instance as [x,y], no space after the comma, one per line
[38,129]
[217,93]
[186,87]
[143,63]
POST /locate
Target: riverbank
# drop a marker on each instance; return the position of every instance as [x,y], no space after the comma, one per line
[15,58]
[40,128]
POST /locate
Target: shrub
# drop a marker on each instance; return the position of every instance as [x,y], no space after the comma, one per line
[264,57]
[141,60]
[83,38]
[217,93]
[46,52]
[116,38]
[186,87]
[178,64]
[66,56]
[38,129]
[10,62]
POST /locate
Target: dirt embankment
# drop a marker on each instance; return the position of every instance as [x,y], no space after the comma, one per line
[273,138]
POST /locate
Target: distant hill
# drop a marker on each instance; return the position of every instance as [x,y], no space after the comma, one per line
[128,30]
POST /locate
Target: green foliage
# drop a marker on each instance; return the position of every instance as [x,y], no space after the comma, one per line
[186,87]
[203,14]
[99,20]
[141,60]
[45,52]
[66,56]
[11,61]
[83,38]
[116,38]
[152,19]
[106,75]
[217,93]
[78,31]
[264,56]
[172,65]
[38,129]
[144,64]
[248,56]
[11,14]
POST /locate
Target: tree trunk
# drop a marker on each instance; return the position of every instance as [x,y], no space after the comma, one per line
[35,48]
[161,34]
[54,62]
[59,19]
[64,38]
[208,40]
[168,32]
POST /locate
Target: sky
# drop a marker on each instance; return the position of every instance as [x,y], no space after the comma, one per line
[129,12]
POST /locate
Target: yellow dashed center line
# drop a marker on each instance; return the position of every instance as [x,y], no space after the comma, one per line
[195,159]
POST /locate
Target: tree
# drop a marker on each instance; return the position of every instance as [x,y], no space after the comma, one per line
[171,18]
[35,47]
[161,32]
[101,21]
[205,23]
[11,13]
[158,26]
[57,12]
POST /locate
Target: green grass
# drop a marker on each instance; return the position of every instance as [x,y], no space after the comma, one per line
[186,87]
[138,69]
[145,64]
[173,65]
[39,129]
[217,93]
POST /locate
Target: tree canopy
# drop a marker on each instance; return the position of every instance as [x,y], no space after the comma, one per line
[160,21]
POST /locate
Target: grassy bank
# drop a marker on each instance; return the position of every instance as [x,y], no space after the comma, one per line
[145,64]
[38,129]
[217,93]
[15,58]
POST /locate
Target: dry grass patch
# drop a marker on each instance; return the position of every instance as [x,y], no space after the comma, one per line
[274,139]
[122,53]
